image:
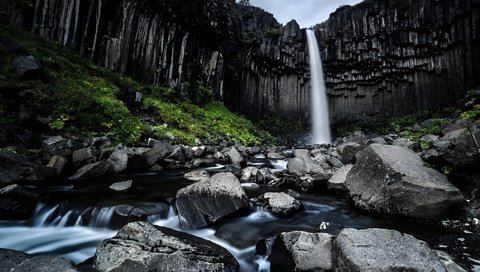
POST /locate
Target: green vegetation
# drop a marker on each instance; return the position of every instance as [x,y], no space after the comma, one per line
[85,100]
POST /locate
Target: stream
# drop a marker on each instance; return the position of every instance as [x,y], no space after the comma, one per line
[78,216]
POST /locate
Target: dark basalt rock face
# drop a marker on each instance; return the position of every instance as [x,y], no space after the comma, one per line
[381,58]
[390,58]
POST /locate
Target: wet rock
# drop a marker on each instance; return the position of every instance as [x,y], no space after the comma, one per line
[311,166]
[203,162]
[348,150]
[59,163]
[28,67]
[302,251]
[11,258]
[234,156]
[382,250]
[337,181]
[264,175]
[45,264]
[205,202]
[118,161]
[17,203]
[254,150]
[140,246]
[42,173]
[297,166]
[56,145]
[248,173]
[197,175]
[159,151]
[122,186]
[219,156]
[177,155]
[264,246]
[448,262]
[14,167]
[335,162]
[281,204]
[235,169]
[274,156]
[82,157]
[394,180]
[91,171]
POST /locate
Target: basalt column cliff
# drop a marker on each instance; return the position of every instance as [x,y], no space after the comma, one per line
[381,58]
[389,58]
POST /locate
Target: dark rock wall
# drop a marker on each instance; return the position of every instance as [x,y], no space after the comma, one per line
[390,58]
[268,76]
[170,41]
[382,58]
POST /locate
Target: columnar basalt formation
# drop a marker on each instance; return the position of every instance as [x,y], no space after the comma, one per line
[381,58]
[389,58]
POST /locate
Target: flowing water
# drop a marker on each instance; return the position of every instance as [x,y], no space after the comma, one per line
[79,216]
[320,119]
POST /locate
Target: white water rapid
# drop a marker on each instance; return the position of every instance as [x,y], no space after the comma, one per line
[319,104]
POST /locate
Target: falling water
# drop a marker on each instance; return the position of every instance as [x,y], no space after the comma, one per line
[320,121]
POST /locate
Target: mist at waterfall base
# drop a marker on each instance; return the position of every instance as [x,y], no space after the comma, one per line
[319,105]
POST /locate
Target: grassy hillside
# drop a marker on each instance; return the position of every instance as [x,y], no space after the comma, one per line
[80,98]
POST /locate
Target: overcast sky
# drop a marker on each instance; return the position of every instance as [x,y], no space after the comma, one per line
[306,12]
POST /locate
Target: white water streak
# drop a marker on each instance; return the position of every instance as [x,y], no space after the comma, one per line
[320,119]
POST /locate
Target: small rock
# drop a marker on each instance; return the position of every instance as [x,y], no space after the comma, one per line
[82,157]
[118,161]
[59,163]
[264,246]
[122,186]
[28,67]
[235,156]
[17,203]
[264,175]
[274,156]
[248,173]
[197,175]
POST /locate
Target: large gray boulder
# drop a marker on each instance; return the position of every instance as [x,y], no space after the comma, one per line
[197,175]
[17,203]
[394,180]
[301,251]
[302,163]
[348,151]
[337,181]
[16,261]
[14,166]
[382,250]
[203,203]
[91,171]
[281,204]
[159,151]
[235,156]
[143,247]
[118,161]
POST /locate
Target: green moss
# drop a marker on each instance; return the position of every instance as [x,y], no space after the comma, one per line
[84,99]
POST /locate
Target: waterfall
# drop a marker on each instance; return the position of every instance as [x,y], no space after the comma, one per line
[319,105]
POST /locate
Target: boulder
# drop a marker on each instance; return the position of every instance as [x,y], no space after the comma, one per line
[17,203]
[11,258]
[28,67]
[264,246]
[448,262]
[394,180]
[311,166]
[203,162]
[348,150]
[82,157]
[14,166]
[337,181]
[91,171]
[382,250]
[334,161]
[205,202]
[159,151]
[45,264]
[301,251]
[281,204]
[59,163]
[274,156]
[248,173]
[118,161]
[197,175]
[140,246]
[264,175]
[297,166]
[235,169]
[122,186]
[177,154]
[56,145]
[234,156]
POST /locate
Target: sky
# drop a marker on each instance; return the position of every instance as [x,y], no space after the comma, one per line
[306,12]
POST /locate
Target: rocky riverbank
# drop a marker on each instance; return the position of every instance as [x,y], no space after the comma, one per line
[384,175]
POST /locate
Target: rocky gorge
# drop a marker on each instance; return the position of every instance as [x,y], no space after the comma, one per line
[103,172]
